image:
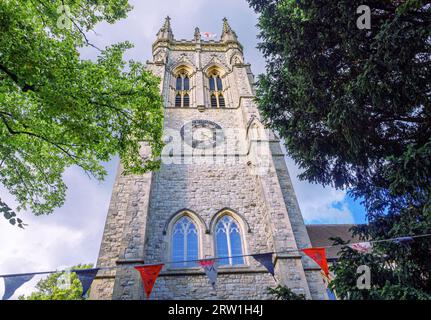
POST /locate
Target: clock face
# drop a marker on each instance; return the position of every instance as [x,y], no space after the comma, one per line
[202,134]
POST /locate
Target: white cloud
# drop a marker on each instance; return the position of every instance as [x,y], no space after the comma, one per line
[319,204]
[68,237]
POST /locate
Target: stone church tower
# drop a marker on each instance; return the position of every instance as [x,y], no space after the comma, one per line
[223,189]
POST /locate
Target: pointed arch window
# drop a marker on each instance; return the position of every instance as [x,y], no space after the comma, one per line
[185,243]
[182,90]
[228,241]
[216,91]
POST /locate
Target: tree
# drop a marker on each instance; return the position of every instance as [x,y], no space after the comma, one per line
[284,293]
[353,107]
[59,286]
[58,110]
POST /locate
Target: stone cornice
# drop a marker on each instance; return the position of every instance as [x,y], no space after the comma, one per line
[186,45]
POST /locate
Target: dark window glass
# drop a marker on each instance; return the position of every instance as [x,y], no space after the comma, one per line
[179,83]
[213,101]
[186,83]
[186,100]
[221,101]
[212,84]
[219,84]
[178,100]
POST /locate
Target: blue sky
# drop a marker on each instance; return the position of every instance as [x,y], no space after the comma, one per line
[72,234]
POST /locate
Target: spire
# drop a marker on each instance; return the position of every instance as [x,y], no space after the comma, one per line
[165,32]
[228,34]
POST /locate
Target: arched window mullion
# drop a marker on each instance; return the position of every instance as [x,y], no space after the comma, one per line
[229,244]
[185,246]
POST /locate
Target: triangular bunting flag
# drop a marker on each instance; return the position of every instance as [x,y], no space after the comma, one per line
[12,283]
[210,269]
[265,259]
[319,256]
[86,276]
[403,240]
[363,247]
[149,276]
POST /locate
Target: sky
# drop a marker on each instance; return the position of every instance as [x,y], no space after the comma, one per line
[72,234]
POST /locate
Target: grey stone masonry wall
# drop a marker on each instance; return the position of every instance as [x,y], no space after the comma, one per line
[244,176]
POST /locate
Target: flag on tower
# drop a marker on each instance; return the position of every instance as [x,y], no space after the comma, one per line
[209,35]
[149,276]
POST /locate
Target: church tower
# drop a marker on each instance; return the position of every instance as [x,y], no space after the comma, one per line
[223,189]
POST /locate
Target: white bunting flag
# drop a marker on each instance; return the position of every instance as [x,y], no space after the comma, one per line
[363,247]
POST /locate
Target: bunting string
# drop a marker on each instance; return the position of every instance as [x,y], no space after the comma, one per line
[221,258]
[150,272]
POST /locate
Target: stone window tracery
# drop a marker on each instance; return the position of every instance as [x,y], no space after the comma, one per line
[216,90]
[185,243]
[182,90]
[228,241]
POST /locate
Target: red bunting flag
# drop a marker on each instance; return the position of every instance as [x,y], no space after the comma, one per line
[318,255]
[149,276]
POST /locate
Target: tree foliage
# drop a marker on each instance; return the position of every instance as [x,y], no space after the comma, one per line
[59,286]
[353,107]
[58,110]
[284,293]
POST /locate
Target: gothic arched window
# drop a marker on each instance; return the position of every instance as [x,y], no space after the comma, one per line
[228,241]
[185,243]
[182,89]
[216,90]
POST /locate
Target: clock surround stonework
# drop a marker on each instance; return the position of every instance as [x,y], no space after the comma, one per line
[223,176]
